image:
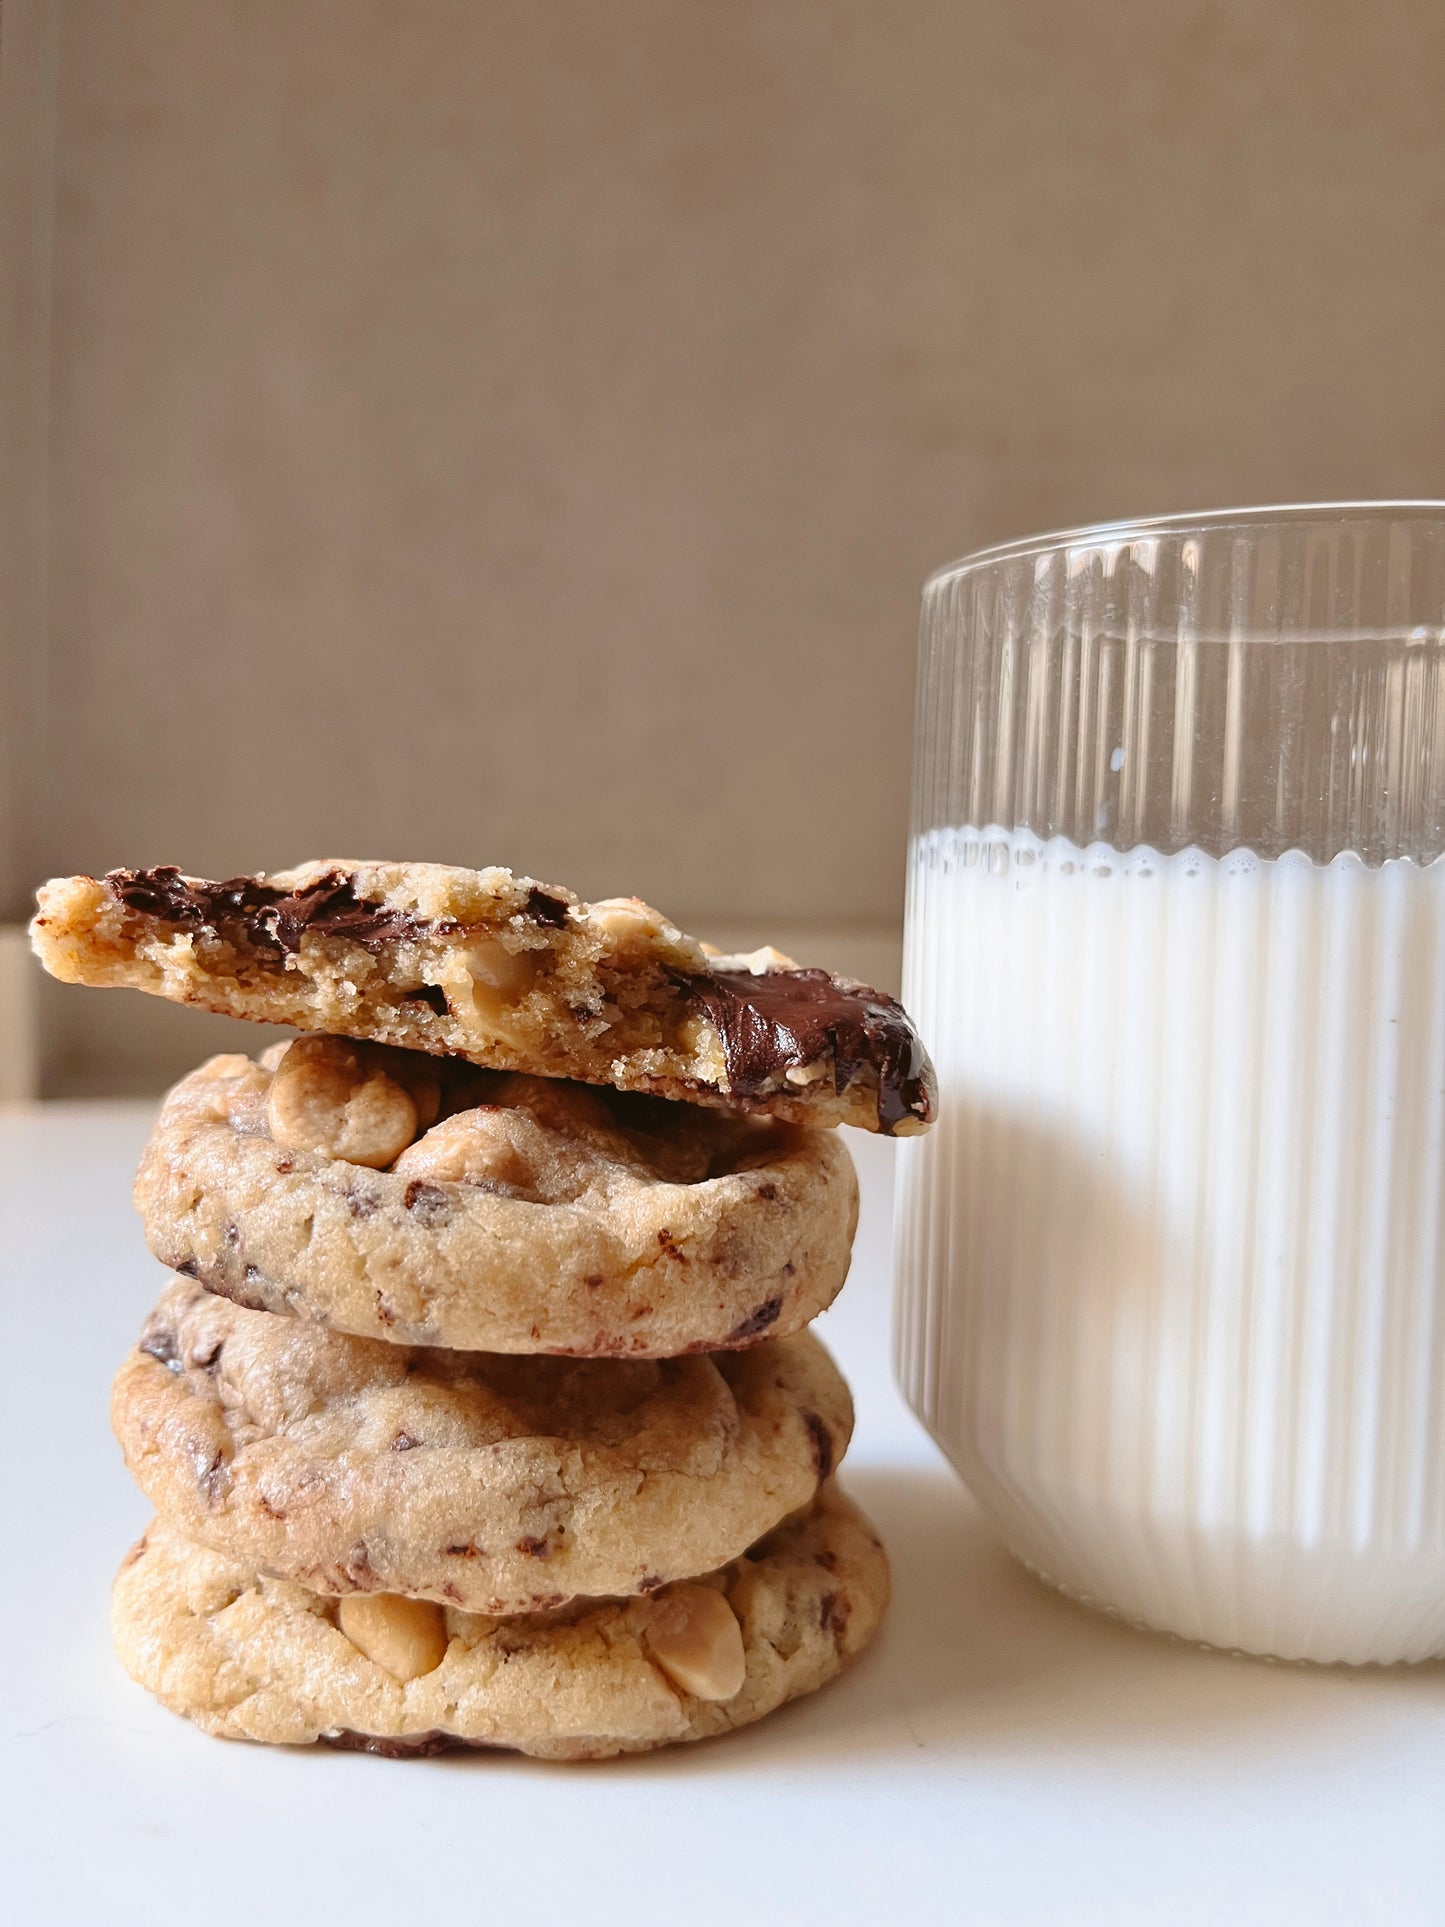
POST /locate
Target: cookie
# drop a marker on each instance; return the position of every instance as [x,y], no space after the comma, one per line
[248,1657]
[506,972]
[532,1216]
[498,1484]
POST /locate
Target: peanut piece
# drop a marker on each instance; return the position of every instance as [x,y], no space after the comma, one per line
[326,1097]
[405,1637]
[622,920]
[483,1146]
[507,972]
[694,1033]
[758,961]
[804,1074]
[488,979]
[745,1590]
[695,1638]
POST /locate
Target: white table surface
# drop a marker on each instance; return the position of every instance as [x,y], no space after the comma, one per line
[999,1756]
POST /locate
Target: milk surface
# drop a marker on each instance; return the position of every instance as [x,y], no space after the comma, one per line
[1171,1273]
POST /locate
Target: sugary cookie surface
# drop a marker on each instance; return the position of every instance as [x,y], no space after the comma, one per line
[493,1483]
[252,1657]
[425,1202]
[504,971]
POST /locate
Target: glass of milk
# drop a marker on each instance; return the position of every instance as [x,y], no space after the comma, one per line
[1172,1262]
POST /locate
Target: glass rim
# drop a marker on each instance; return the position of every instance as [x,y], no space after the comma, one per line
[1203,521]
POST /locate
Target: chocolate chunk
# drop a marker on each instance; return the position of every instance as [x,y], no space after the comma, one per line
[778,1019]
[416,1746]
[223,1284]
[535,1548]
[427,1202]
[159,1343]
[543,908]
[214,1477]
[358,1568]
[755,1322]
[246,911]
[822,1440]
[224,907]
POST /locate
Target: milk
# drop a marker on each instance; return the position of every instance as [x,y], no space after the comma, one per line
[1171,1270]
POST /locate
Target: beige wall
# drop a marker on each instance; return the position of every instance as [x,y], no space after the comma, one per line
[518,431]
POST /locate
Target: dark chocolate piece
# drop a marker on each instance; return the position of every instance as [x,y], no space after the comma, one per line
[542,907]
[214,1477]
[415,1746]
[821,1440]
[780,1018]
[427,1202]
[245,911]
[756,1322]
[159,1342]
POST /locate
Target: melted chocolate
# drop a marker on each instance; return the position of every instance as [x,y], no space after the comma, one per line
[542,907]
[779,1018]
[244,910]
[415,1746]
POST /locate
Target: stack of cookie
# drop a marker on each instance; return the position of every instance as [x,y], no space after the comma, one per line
[479,1409]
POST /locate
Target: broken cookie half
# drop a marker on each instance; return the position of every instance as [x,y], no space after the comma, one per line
[504,971]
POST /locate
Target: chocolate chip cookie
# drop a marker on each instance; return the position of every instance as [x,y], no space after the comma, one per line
[514,1214]
[497,1484]
[510,973]
[251,1657]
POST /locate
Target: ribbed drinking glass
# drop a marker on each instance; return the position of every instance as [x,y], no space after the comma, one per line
[1171,1266]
